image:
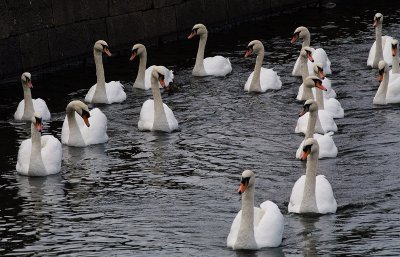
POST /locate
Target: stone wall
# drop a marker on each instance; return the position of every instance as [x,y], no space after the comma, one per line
[41,33]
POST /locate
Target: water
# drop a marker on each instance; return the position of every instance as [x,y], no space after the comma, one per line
[148,194]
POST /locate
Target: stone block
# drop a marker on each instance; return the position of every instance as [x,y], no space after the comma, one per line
[5,27]
[95,9]
[188,14]
[158,22]
[97,29]
[243,8]
[65,12]
[163,3]
[29,15]
[34,49]
[10,61]
[125,29]
[118,7]
[216,12]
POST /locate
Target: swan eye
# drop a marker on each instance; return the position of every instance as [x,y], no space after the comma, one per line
[297,34]
[245,181]
[27,79]
[320,69]
[135,50]
[307,148]
[317,80]
[195,30]
[85,113]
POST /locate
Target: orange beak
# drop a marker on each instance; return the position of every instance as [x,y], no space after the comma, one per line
[29,83]
[39,126]
[107,51]
[321,74]
[394,49]
[303,156]
[242,188]
[375,23]
[192,35]
[162,82]
[380,77]
[86,120]
[320,86]
[132,56]
[309,56]
[248,53]
[302,113]
[294,38]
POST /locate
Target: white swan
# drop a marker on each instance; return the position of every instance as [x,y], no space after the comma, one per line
[327,147]
[261,78]
[39,155]
[253,227]
[77,131]
[155,115]
[394,73]
[383,77]
[214,66]
[304,93]
[312,193]
[318,54]
[329,104]
[102,92]
[381,48]
[325,122]
[28,106]
[144,75]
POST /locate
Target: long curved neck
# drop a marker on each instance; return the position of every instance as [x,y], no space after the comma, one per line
[319,95]
[36,166]
[255,82]
[100,94]
[160,119]
[246,238]
[139,82]
[306,40]
[395,62]
[28,104]
[199,66]
[309,202]
[382,90]
[312,120]
[75,135]
[378,49]
[307,92]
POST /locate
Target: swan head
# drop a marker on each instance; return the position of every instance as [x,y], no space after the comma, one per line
[306,52]
[314,81]
[382,69]
[309,106]
[198,29]
[37,121]
[101,46]
[378,18]
[310,147]
[319,70]
[395,45]
[300,32]
[26,80]
[82,109]
[137,49]
[159,73]
[254,46]
[246,181]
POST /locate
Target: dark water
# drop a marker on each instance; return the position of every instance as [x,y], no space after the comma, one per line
[147,194]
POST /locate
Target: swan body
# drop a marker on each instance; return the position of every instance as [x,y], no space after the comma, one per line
[319,54]
[253,227]
[143,78]
[381,49]
[312,193]
[327,147]
[214,66]
[77,131]
[39,155]
[102,92]
[261,78]
[380,96]
[28,106]
[155,115]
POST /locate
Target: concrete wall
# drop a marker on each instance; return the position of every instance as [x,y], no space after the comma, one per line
[42,33]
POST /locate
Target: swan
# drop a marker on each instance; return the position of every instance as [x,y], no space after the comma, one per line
[327,147]
[77,131]
[261,78]
[155,115]
[329,104]
[383,77]
[254,227]
[312,193]
[304,93]
[214,66]
[39,155]
[28,106]
[381,48]
[325,122]
[102,92]
[394,73]
[318,54]
[144,75]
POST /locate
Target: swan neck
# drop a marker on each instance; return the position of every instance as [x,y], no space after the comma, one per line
[395,63]
[36,166]
[303,68]
[256,82]
[309,202]
[28,104]
[246,230]
[382,90]
[160,119]
[319,95]
[312,120]
[378,46]
[199,66]
[306,40]
[100,93]
[74,131]
[139,82]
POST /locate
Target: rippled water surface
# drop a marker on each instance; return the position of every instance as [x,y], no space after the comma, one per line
[147,194]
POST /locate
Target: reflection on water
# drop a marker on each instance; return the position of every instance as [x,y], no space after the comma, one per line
[147,194]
